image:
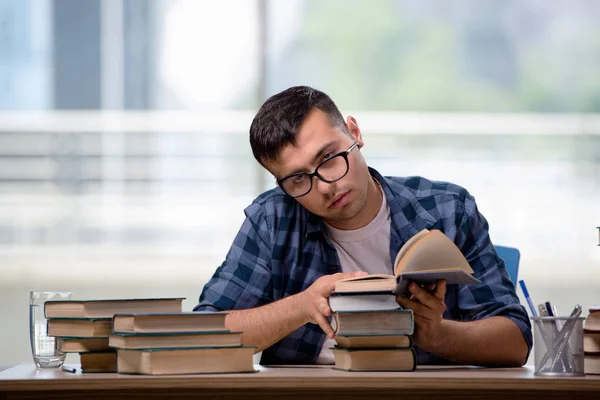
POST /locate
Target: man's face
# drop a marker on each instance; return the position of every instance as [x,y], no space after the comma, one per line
[340,203]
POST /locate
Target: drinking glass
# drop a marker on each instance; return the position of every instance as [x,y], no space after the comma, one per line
[44,348]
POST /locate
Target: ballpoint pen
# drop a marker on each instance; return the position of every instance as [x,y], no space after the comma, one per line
[526,294]
[551,312]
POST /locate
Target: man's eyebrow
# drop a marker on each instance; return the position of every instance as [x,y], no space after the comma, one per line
[322,150]
[317,156]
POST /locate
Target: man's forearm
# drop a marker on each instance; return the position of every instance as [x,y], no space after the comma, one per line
[266,325]
[495,341]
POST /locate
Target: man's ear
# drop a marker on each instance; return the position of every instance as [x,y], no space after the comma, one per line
[354,130]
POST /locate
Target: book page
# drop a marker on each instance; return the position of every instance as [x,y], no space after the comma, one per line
[407,246]
[434,251]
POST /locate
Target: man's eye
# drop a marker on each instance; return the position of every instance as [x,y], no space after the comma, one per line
[327,156]
[298,179]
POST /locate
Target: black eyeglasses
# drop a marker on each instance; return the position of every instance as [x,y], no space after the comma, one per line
[330,170]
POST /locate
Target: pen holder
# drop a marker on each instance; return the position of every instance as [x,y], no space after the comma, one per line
[558,346]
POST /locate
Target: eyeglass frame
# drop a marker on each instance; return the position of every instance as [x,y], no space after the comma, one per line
[315,172]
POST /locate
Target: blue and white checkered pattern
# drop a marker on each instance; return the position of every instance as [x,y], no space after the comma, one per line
[281,250]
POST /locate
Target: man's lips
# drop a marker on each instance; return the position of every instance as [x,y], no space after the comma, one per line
[339,200]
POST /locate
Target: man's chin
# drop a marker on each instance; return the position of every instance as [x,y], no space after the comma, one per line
[343,214]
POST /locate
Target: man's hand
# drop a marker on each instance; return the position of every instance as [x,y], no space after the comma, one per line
[315,305]
[428,308]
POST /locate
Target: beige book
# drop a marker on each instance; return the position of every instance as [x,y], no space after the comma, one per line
[592,322]
[381,322]
[175,339]
[591,365]
[98,362]
[375,359]
[170,322]
[373,341]
[186,361]
[108,308]
[79,327]
[591,342]
[82,345]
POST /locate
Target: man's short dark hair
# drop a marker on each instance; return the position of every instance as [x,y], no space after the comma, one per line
[279,118]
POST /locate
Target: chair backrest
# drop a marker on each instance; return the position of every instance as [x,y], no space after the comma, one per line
[511,257]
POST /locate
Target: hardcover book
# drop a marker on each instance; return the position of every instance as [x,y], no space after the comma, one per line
[170,322]
[175,339]
[108,308]
[186,361]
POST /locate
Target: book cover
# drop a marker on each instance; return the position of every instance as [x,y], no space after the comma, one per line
[191,360]
[375,360]
[170,322]
[149,340]
[379,322]
[106,308]
[373,341]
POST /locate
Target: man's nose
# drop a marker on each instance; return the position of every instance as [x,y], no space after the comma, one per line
[322,186]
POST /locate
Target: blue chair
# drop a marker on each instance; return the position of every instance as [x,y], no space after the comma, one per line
[511,257]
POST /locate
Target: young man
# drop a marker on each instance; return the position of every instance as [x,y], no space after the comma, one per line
[332,217]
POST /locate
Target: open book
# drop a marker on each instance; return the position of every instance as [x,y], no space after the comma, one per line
[426,258]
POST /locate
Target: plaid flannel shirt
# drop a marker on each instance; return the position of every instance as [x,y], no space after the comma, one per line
[281,250]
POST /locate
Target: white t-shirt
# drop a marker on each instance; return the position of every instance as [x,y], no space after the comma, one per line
[365,249]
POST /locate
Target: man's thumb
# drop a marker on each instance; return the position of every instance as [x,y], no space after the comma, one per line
[353,274]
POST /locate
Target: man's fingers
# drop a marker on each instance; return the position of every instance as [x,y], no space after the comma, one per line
[324,324]
[440,290]
[429,288]
[423,296]
[324,307]
[418,308]
[346,275]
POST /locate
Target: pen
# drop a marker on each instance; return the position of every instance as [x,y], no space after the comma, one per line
[551,312]
[68,369]
[526,294]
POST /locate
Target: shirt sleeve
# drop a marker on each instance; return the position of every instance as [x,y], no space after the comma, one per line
[496,294]
[244,280]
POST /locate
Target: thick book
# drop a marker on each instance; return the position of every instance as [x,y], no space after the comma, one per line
[373,341]
[98,362]
[186,361]
[591,365]
[592,321]
[591,343]
[381,322]
[79,327]
[170,322]
[402,360]
[82,344]
[175,339]
[108,308]
[427,257]
[349,301]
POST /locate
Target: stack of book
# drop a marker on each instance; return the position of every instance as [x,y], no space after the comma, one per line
[372,331]
[146,336]
[591,342]
[83,326]
[178,343]
[374,340]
